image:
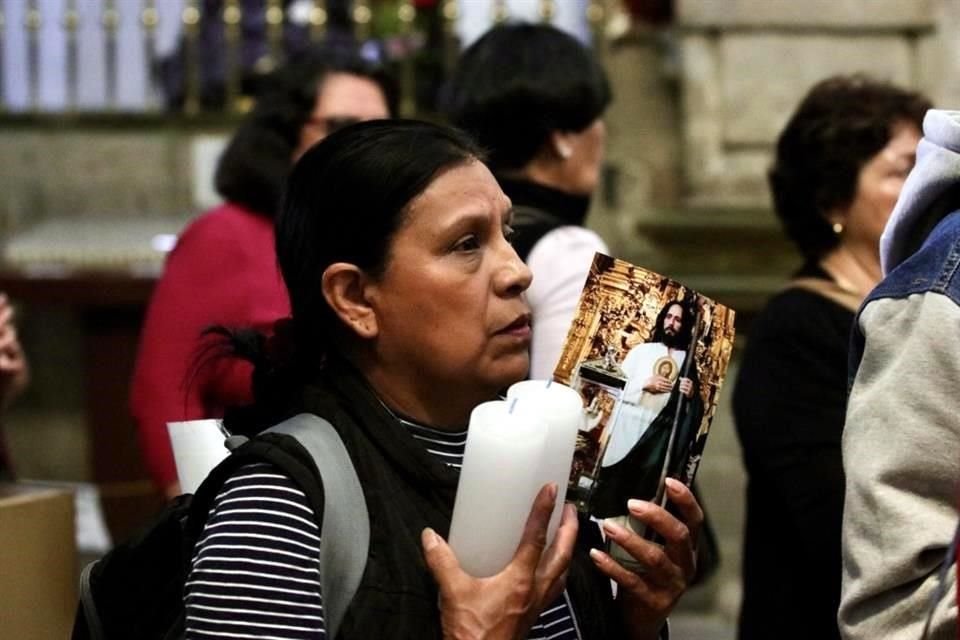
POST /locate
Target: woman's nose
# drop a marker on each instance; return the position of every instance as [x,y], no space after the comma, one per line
[513,275]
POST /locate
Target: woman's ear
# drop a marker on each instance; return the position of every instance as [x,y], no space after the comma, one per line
[344,286]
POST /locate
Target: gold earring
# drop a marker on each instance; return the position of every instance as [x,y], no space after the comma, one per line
[838,228]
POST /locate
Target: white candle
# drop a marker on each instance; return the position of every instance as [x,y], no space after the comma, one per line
[197,448]
[561,408]
[498,484]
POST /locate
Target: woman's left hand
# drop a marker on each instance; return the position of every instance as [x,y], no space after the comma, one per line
[646,599]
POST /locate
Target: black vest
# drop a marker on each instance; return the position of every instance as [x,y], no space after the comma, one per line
[407,489]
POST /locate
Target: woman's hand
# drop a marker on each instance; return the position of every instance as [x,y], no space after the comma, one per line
[13,363]
[646,599]
[504,606]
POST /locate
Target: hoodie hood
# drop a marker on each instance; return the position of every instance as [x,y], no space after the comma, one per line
[937,169]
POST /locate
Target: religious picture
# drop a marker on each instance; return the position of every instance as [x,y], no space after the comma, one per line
[648,355]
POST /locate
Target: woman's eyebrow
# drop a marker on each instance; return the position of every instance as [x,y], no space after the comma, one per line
[464,219]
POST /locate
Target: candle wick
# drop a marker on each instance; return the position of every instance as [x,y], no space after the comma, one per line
[513,403]
[549,382]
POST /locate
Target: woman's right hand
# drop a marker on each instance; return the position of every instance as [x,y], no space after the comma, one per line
[504,606]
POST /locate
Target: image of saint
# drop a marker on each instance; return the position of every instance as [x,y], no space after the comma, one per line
[661,409]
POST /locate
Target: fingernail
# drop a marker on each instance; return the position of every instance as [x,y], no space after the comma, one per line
[429,538]
[552,491]
[637,506]
[674,485]
[596,555]
[613,529]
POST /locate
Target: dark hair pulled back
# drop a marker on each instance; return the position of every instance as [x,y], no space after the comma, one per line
[345,199]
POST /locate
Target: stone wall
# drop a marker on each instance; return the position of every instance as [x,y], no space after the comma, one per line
[747,63]
[76,170]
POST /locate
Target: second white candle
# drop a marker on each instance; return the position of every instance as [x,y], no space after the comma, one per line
[561,410]
[498,483]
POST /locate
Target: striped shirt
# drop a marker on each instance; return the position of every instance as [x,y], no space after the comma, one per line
[255,571]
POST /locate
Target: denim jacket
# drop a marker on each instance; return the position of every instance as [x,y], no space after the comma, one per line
[933,269]
[901,440]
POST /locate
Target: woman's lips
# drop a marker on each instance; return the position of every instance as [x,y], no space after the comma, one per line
[519,328]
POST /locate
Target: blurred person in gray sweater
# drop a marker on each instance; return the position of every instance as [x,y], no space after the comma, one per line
[901,440]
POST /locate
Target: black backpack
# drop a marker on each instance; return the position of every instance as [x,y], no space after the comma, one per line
[136,590]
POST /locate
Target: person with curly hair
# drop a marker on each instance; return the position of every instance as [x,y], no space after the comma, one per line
[839,165]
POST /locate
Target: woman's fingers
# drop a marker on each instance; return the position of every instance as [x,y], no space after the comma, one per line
[679,536]
[534,538]
[627,579]
[556,559]
[686,503]
[439,557]
[646,603]
[658,565]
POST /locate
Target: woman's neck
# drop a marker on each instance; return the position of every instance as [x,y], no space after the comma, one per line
[431,405]
[855,271]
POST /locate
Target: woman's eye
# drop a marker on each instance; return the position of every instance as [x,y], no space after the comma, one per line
[467,243]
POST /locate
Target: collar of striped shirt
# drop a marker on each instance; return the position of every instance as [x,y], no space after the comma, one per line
[445,445]
[448,446]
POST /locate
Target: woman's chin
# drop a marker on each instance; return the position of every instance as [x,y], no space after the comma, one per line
[514,371]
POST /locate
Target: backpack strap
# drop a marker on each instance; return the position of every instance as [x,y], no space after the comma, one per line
[319,464]
[345,534]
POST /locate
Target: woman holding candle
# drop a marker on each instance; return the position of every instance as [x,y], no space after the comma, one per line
[407,312]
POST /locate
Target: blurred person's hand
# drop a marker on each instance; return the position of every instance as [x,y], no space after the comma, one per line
[14,372]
